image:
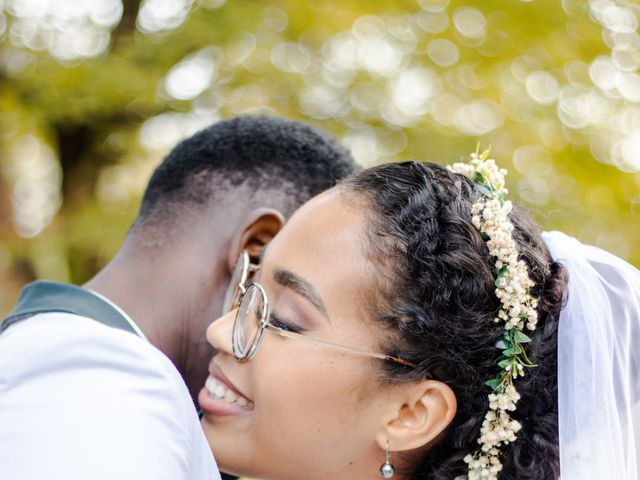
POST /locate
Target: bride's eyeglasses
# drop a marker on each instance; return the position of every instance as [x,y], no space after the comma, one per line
[252,319]
[243,271]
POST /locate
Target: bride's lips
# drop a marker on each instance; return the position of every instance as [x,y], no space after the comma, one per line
[220,397]
[216,372]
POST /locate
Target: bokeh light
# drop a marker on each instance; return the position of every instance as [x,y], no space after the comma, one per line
[67,30]
[35,176]
[159,15]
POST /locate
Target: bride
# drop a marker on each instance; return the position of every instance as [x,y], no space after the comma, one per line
[410,324]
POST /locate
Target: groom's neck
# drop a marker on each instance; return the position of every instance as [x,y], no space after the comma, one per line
[155,300]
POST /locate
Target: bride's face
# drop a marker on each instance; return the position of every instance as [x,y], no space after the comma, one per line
[313,411]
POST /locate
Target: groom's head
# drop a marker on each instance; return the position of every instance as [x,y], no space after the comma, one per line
[264,161]
[228,188]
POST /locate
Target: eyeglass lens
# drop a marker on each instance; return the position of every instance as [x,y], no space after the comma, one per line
[246,330]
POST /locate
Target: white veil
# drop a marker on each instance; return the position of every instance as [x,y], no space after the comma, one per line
[598,364]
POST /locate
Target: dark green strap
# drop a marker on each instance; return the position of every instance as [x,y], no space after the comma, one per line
[44,296]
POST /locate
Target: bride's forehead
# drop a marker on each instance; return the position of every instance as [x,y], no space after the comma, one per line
[328,227]
[323,243]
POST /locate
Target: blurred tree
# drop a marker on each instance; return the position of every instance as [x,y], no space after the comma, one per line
[93,94]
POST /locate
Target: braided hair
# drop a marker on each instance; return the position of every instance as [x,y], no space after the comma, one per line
[436,296]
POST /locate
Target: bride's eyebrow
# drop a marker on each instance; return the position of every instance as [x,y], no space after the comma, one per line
[302,287]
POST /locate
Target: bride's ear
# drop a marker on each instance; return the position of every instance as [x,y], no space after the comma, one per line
[417,415]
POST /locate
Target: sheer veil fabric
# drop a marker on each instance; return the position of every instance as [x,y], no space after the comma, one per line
[598,364]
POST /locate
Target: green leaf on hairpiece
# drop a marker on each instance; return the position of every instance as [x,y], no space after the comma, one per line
[479,178]
[484,155]
[484,189]
[484,236]
[504,363]
[501,344]
[493,383]
[520,337]
[501,273]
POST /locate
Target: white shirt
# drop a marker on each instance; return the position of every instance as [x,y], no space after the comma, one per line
[80,400]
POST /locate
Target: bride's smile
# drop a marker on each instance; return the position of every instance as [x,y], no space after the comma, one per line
[220,397]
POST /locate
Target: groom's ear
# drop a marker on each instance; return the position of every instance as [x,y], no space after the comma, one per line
[252,233]
[417,415]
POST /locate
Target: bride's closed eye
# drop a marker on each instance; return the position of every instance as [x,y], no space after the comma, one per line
[284,325]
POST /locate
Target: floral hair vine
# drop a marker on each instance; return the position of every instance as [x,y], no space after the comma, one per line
[490,215]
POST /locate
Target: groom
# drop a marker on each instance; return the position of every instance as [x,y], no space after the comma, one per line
[85,390]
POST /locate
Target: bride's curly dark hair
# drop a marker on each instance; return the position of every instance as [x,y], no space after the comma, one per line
[436,295]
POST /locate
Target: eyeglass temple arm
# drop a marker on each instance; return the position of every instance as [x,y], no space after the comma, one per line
[381,356]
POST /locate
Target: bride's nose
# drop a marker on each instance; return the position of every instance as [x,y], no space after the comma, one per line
[219,332]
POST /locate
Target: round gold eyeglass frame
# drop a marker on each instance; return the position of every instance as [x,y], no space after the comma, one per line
[243,353]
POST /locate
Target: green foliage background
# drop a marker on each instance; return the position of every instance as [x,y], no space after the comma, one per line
[552,85]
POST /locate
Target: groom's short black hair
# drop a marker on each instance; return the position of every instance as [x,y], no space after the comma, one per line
[283,162]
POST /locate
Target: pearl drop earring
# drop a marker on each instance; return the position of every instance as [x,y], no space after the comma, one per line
[386,469]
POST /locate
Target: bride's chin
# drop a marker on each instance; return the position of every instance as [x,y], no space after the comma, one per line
[225,437]
[240,468]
